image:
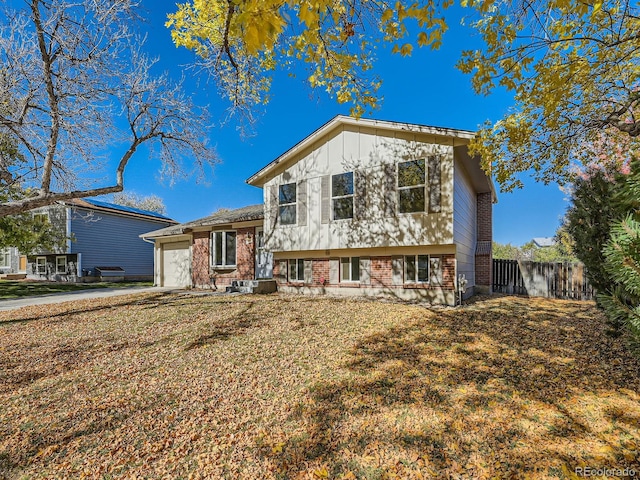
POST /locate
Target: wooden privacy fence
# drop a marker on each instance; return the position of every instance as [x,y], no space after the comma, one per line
[542,279]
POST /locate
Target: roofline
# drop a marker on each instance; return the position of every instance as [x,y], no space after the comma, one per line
[115,211]
[182,232]
[346,120]
[196,225]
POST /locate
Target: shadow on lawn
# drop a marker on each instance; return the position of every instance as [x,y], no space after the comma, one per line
[506,387]
[42,312]
[17,371]
[226,328]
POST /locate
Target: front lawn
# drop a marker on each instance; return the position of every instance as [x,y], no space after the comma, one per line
[17,289]
[170,386]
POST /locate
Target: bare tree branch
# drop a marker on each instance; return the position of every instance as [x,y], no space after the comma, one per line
[76,89]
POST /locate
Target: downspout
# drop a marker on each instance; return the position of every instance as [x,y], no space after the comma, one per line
[68,230]
[155,260]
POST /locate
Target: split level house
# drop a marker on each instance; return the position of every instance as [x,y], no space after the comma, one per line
[359,207]
[103,242]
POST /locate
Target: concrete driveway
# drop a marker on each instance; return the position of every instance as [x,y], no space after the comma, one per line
[78,295]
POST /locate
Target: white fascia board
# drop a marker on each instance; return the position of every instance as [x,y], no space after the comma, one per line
[258,179]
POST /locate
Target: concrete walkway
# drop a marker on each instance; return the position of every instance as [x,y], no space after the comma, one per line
[77,295]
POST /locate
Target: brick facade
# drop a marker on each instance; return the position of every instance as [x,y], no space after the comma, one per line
[485,219]
[381,274]
[320,271]
[484,258]
[448,272]
[204,274]
[201,258]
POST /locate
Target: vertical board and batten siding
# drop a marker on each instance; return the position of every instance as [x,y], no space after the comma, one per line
[367,151]
[111,240]
[465,223]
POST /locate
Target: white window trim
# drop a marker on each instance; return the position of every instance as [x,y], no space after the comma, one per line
[223,250]
[294,203]
[66,264]
[352,196]
[409,187]
[299,271]
[415,281]
[350,263]
[44,265]
[5,257]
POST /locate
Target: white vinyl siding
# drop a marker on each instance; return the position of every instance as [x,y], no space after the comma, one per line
[464,224]
[372,158]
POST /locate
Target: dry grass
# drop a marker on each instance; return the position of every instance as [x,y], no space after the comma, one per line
[300,387]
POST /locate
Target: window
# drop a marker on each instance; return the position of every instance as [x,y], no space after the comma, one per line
[416,268]
[411,186]
[224,249]
[61,264]
[342,195]
[41,218]
[296,270]
[5,258]
[41,265]
[287,202]
[350,269]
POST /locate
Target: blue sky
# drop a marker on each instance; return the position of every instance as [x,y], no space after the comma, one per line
[424,88]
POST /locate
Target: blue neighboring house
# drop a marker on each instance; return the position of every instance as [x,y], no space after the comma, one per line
[103,243]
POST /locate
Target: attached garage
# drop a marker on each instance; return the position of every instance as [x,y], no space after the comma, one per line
[187,255]
[175,270]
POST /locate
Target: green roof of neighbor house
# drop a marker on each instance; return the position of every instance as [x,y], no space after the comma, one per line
[244,214]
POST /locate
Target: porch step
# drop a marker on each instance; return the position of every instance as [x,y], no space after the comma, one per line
[15,276]
[252,286]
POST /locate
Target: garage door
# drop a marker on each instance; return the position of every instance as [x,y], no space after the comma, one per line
[176,265]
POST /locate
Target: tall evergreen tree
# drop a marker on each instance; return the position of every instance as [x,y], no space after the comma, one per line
[622,258]
[589,221]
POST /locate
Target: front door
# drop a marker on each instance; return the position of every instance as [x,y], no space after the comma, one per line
[22,266]
[264,258]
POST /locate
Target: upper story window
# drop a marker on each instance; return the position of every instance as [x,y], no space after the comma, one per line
[287,204]
[411,186]
[41,218]
[342,195]
[224,249]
